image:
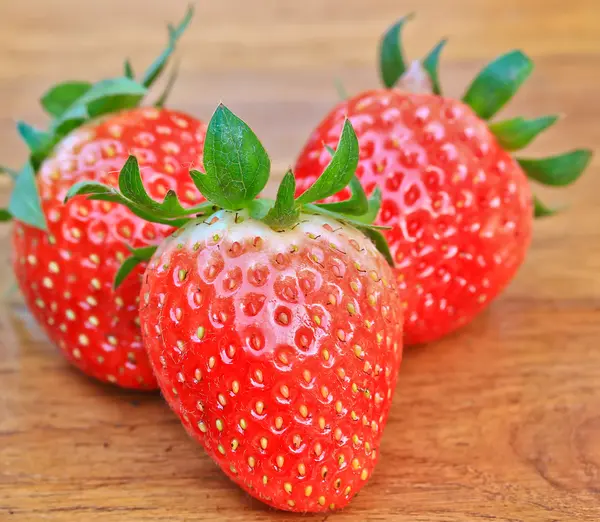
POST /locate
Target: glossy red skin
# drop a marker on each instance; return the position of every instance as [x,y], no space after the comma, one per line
[66,276]
[257,305]
[459,207]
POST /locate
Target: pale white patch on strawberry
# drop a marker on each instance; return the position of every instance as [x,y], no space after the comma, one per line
[415,79]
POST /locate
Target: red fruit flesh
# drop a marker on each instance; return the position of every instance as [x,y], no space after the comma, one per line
[66,275]
[278,351]
[459,206]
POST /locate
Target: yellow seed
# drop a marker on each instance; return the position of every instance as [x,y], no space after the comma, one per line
[337,433]
[338,406]
[211,362]
[308,491]
[355,439]
[304,411]
[324,471]
[288,488]
[221,449]
[251,462]
[279,461]
[234,444]
[200,332]
[347,490]
[278,423]
[83,339]
[325,354]
[263,443]
[219,424]
[291,503]
[260,406]
[317,320]
[285,391]
[341,459]
[324,392]
[235,387]
[243,424]
[355,463]
[351,309]
[306,375]
[367,447]
[332,506]
[354,286]
[364,474]
[265,480]
[301,469]
[354,387]
[258,376]
[322,423]
[358,351]
[322,500]
[221,399]
[354,415]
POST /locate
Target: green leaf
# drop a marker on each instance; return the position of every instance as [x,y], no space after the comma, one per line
[138,255]
[431,65]
[517,133]
[370,215]
[559,170]
[70,120]
[7,170]
[237,165]
[153,72]
[340,170]
[259,208]
[112,95]
[162,99]
[128,70]
[391,57]
[355,221]
[5,215]
[25,204]
[380,243]
[106,96]
[131,185]
[60,97]
[357,204]
[285,211]
[540,210]
[497,83]
[35,139]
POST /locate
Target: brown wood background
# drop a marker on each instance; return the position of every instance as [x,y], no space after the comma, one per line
[499,422]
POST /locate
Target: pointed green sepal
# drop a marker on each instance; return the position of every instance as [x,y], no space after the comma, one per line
[62,96]
[35,139]
[380,243]
[340,170]
[391,57]
[356,204]
[162,99]
[237,165]
[497,83]
[138,256]
[557,171]
[431,66]
[5,215]
[10,172]
[517,133]
[25,204]
[128,70]
[284,212]
[175,33]
[540,210]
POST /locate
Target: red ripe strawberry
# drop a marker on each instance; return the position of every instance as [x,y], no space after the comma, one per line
[65,257]
[274,328]
[459,206]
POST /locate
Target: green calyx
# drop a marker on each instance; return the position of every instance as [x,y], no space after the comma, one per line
[488,93]
[72,104]
[237,168]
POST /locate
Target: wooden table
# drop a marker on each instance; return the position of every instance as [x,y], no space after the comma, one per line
[498,422]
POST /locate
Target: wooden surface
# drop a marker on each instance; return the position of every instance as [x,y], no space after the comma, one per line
[499,422]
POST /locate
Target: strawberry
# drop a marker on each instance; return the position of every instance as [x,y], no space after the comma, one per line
[458,205]
[65,257]
[274,328]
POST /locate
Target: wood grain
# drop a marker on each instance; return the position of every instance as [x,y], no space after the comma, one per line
[498,422]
